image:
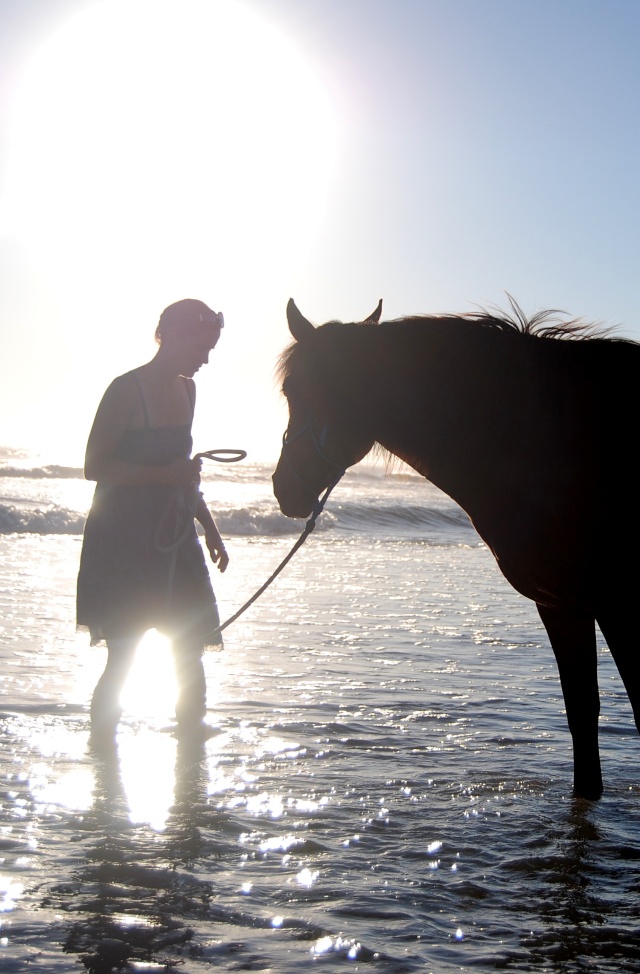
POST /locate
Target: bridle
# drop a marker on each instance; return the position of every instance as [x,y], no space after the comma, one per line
[318,443]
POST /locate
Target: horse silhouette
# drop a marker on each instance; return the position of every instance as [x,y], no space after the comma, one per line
[529,425]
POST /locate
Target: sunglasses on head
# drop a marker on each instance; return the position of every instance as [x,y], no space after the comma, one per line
[217,319]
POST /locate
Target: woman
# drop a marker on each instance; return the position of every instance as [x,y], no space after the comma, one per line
[142,566]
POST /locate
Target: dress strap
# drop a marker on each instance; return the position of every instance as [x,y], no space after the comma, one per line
[192,398]
[144,405]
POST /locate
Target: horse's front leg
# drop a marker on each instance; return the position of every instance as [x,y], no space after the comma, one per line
[573,639]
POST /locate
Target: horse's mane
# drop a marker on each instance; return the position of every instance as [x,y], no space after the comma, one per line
[548,324]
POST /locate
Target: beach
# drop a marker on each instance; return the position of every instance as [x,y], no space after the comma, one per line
[388,786]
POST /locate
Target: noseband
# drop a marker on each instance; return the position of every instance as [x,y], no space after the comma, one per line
[318,443]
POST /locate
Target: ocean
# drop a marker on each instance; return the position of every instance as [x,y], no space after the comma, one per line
[389,787]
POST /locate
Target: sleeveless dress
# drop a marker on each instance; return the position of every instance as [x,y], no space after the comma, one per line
[141,565]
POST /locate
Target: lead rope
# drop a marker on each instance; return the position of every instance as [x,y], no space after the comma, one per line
[308,528]
[231,456]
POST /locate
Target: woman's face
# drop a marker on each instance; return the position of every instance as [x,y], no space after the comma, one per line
[196,344]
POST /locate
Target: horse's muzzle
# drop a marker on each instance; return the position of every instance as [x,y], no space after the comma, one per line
[293,498]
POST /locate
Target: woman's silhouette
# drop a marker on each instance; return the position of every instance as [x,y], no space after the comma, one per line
[142,566]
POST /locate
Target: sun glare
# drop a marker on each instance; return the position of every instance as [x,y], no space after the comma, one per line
[160,149]
[147,774]
[153,138]
[150,690]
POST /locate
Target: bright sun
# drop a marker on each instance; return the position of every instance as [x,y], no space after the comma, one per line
[148,132]
[162,149]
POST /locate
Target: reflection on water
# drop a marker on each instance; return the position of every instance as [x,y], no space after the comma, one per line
[143,780]
[10,892]
[389,787]
[139,896]
[186,855]
[71,790]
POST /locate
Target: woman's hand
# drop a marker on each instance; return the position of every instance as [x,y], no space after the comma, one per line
[183,473]
[217,550]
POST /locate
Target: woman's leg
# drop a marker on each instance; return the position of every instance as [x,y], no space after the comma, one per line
[105,703]
[192,691]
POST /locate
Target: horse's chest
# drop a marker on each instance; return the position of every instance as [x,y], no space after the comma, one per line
[543,545]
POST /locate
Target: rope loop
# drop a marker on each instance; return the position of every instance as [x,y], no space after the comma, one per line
[222,456]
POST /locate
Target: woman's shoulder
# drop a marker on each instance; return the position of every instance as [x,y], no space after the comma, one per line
[122,392]
[128,382]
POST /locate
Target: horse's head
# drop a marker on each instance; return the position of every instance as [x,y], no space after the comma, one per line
[324,435]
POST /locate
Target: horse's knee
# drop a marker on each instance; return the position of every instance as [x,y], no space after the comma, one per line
[573,641]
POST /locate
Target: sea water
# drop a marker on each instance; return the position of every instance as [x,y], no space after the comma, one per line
[389,787]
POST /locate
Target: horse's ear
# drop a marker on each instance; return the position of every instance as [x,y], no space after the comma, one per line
[374,317]
[300,328]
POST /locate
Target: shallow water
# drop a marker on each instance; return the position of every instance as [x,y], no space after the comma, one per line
[389,788]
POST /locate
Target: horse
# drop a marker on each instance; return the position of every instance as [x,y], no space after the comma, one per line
[528,425]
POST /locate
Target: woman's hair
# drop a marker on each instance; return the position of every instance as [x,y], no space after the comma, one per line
[183,315]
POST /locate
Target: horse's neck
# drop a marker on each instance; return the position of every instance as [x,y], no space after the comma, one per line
[443,410]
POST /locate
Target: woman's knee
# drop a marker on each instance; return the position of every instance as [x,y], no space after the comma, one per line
[120,655]
[187,653]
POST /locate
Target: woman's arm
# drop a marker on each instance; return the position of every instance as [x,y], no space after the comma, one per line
[111,421]
[212,537]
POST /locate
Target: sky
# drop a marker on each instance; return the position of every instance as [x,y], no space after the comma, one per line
[438,154]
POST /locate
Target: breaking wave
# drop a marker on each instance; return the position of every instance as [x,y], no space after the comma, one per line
[52,471]
[53,520]
[408,517]
[261,521]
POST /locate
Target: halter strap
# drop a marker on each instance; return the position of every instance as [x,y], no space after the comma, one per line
[318,443]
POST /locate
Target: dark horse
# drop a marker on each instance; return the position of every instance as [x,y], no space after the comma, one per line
[530,426]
